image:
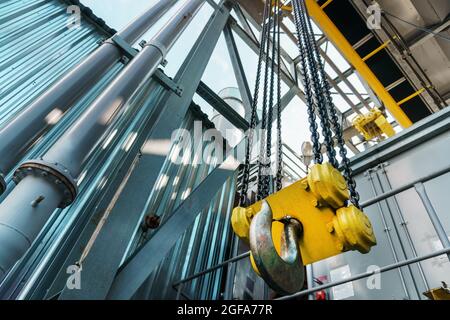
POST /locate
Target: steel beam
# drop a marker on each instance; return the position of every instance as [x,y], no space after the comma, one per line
[239,71]
[146,259]
[139,267]
[244,22]
[222,107]
[335,36]
[253,45]
[346,81]
[415,74]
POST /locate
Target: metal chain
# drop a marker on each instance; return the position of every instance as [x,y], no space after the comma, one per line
[268,173]
[313,127]
[318,94]
[246,171]
[337,128]
[263,161]
[279,176]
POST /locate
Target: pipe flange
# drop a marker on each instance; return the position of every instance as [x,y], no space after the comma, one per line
[2,183]
[53,172]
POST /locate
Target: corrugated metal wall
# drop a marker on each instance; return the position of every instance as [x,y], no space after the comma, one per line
[208,241]
[36,48]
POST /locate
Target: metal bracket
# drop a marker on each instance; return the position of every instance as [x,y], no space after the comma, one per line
[167,82]
[126,48]
[159,76]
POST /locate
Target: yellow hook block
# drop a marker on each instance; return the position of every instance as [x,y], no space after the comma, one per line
[329,228]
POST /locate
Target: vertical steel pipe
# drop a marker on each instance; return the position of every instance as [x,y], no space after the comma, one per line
[48,183]
[442,235]
[387,230]
[403,222]
[20,133]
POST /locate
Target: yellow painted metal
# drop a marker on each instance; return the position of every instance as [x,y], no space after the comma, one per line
[415,94]
[317,243]
[328,185]
[374,52]
[353,229]
[320,239]
[287,8]
[438,294]
[240,221]
[373,125]
[326,4]
[335,36]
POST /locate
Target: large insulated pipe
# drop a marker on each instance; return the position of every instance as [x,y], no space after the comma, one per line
[17,136]
[48,183]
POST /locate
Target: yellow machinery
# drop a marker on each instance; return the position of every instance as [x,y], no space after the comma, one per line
[373,125]
[310,220]
[317,202]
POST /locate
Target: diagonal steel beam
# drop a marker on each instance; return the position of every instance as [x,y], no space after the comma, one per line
[139,267]
[238,69]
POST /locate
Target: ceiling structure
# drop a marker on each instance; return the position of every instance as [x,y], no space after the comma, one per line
[411,62]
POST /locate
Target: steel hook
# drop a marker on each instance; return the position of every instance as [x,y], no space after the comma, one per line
[285,274]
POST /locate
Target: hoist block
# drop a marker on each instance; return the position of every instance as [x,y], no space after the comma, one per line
[328,185]
[373,125]
[317,202]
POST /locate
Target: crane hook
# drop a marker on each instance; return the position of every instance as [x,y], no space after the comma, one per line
[285,274]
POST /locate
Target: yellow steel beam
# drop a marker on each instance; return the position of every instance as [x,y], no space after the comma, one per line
[415,94]
[326,4]
[335,36]
[374,52]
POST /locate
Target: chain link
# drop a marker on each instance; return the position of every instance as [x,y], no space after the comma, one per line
[318,94]
[337,128]
[264,161]
[279,176]
[246,169]
[313,127]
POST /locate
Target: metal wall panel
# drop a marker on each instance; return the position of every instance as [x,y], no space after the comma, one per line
[36,48]
[208,241]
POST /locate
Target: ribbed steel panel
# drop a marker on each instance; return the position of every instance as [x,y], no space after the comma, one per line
[203,245]
[36,48]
